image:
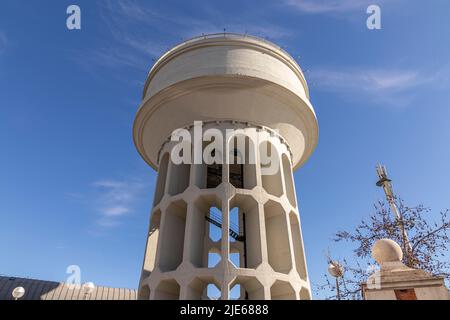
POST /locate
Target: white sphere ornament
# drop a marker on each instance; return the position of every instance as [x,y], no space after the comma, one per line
[18,292]
[88,287]
[386,250]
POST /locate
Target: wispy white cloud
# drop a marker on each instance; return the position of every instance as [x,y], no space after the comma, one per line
[208,20]
[125,48]
[115,211]
[330,6]
[114,184]
[395,87]
[366,79]
[116,199]
[335,7]
[141,33]
[113,57]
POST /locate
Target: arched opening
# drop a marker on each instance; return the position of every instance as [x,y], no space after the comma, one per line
[203,288]
[208,173]
[277,236]
[200,175]
[205,234]
[246,288]
[213,292]
[167,290]
[244,235]
[235,224]
[242,162]
[235,292]
[172,242]
[213,259]
[236,247]
[152,244]
[235,258]
[215,231]
[298,245]
[282,290]
[270,169]
[144,293]
[162,175]
[213,169]
[304,294]
[288,180]
[179,178]
[213,175]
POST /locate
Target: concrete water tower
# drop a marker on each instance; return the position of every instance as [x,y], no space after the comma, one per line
[224,82]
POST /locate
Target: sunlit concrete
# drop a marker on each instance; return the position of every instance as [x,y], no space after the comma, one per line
[229,82]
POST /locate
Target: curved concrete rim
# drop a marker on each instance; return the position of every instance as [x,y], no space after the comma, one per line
[222,39]
[150,104]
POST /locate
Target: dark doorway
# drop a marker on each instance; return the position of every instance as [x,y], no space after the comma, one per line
[237,171]
[213,174]
[405,294]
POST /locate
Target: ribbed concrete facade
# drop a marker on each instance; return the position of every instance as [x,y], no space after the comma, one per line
[229,82]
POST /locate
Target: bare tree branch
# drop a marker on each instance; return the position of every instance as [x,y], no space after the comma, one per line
[429,241]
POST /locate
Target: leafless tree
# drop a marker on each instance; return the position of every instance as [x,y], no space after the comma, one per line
[429,240]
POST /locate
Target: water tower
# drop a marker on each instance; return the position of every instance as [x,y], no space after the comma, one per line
[254,89]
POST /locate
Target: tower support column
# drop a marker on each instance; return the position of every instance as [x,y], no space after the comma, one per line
[191,262]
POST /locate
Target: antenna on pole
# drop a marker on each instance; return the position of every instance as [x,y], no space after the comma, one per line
[385,183]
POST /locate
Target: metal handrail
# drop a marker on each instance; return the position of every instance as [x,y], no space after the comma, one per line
[231,35]
[217,221]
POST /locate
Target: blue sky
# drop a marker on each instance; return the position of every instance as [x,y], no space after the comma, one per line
[73,189]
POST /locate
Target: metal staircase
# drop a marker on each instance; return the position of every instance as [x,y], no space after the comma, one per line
[216,220]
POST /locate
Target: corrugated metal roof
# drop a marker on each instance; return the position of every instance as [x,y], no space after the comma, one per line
[50,290]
